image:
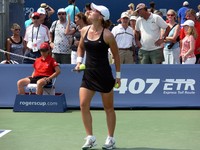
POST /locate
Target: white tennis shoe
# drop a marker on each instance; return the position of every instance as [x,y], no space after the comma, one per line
[90,142]
[110,143]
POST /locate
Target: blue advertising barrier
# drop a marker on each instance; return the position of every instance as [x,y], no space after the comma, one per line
[40,103]
[161,86]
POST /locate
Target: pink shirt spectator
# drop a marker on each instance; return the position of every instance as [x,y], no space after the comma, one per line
[186,46]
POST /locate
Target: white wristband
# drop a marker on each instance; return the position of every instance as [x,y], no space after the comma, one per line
[79,59]
[118,74]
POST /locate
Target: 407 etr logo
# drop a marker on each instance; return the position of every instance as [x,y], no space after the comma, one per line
[148,86]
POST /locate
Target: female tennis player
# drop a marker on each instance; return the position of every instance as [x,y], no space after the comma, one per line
[96,39]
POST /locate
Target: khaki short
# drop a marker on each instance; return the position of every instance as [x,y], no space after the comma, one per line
[151,57]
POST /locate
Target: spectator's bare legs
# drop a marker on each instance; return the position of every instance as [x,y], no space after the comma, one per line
[25,81]
[40,83]
[85,99]
[21,84]
[107,99]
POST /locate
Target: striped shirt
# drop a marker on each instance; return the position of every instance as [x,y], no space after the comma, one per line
[124,37]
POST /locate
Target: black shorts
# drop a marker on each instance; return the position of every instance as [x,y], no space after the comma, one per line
[35,79]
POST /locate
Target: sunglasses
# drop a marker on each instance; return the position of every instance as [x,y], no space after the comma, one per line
[61,14]
[17,29]
[170,14]
[35,18]
[43,50]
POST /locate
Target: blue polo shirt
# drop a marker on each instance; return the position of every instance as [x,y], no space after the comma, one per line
[70,10]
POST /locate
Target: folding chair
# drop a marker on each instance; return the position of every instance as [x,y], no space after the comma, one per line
[10,62]
[48,89]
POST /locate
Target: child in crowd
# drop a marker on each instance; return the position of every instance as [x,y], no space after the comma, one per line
[188,43]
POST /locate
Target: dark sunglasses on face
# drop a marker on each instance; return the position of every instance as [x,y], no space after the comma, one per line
[170,14]
[35,18]
[17,29]
[43,50]
[62,14]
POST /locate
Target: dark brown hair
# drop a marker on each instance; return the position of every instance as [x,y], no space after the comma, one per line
[71,1]
[82,17]
[106,24]
[191,12]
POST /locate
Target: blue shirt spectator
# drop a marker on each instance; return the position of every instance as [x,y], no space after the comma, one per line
[29,21]
[182,12]
[72,9]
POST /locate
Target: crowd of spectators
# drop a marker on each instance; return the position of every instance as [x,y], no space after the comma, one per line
[138,40]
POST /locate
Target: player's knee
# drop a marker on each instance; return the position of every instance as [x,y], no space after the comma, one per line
[109,109]
[84,106]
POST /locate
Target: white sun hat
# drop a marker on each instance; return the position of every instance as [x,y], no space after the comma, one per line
[102,9]
[189,23]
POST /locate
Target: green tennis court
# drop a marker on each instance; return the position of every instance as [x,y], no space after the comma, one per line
[135,130]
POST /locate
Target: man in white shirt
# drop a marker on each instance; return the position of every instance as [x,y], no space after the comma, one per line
[35,34]
[148,28]
[124,37]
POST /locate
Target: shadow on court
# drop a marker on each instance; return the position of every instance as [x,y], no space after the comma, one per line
[141,148]
[146,148]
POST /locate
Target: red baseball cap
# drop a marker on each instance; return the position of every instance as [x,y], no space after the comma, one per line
[44,46]
[35,14]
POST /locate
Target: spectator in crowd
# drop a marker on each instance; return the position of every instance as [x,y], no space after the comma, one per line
[182,12]
[81,21]
[188,43]
[15,44]
[124,37]
[28,22]
[191,15]
[72,9]
[132,25]
[198,13]
[49,12]
[132,22]
[131,10]
[43,17]
[152,8]
[96,39]
[87,11]
[35,34]
[148,27]
[158,12]
[61,33]
[42,75]
[45,12]
[172,47]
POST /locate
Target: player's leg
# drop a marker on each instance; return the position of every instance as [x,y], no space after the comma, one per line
[108,104]
[85,100]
